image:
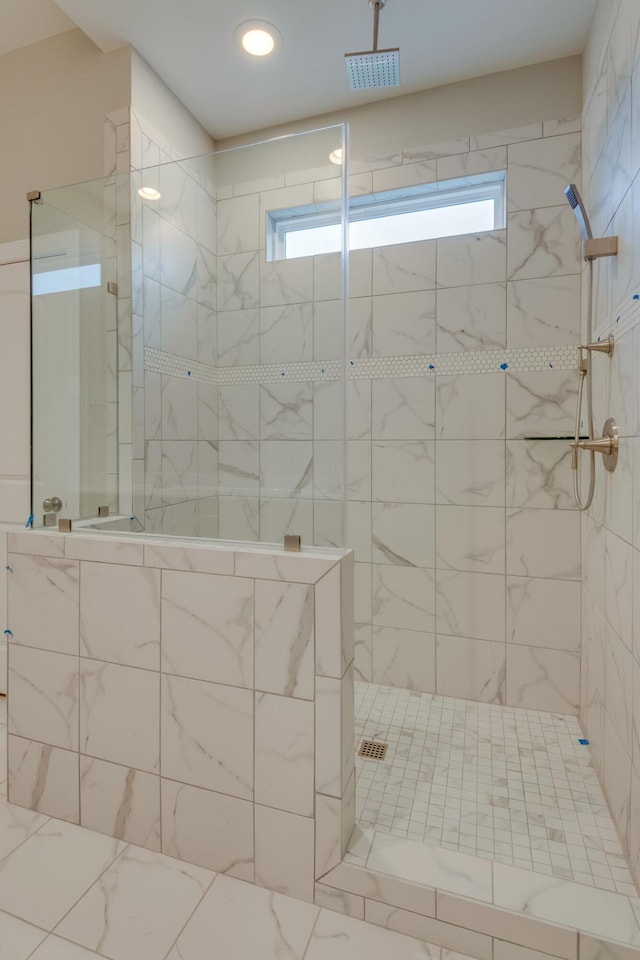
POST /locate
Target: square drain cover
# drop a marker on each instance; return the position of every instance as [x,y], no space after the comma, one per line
[373,750]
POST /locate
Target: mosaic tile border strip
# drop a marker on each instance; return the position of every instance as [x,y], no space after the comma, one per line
[521,360]
[171,365]
[623,319]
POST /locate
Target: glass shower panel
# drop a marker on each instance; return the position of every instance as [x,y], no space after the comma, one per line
[74,353]
[221,368]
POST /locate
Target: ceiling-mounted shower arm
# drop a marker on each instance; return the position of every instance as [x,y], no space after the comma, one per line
[377,7]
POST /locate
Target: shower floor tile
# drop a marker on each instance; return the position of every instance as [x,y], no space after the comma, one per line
[505,783]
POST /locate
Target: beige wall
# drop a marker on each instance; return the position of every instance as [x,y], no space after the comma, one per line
[53,99]
[507,99]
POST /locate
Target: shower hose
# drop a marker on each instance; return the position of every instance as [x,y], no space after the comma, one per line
[585,375]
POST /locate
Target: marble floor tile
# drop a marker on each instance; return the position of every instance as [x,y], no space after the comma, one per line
[32,884]
[17,938]
[500,783]
[16,824]
[336,937]
[279,926]
[138,906]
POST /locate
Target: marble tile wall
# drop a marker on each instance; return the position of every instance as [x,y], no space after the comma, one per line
[186,698]
[610,698]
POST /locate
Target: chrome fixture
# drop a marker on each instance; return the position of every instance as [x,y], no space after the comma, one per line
[593,249]
[607,445]
[52,505]
[374,68]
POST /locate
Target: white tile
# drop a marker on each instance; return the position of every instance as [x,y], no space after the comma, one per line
[473,259]
[36,543]
[403,533]
[403,597]
[208,828]
[286,468]
[339,901]
[120,801]
[470,538]
[404,267]
[540,169]
[543,312]
[404,658]
[403,470]
[404,323]
[330,653]
[119,715]
[55,948]
[470,604]
[472,318]
[103,550]
[137,907]
[284,634]
[43,602]
[303,568]
[383,888]
[430,930]
[239,412]
[17,938]
[44,696]
[279,925]
[238,329]
[337,937]
[543,679]
[542,243]
[120,614]
[541,404]
[433,866]
[193,712]
[43,778]
[16,824]
[403,409]
[277,832]
[560,901]
[286,281]
[207,627]
[194,558]
[539,474]
[543,543]
[543,613]
[484,675]
[470,473]
[284,753]
[26,889]
[470,407]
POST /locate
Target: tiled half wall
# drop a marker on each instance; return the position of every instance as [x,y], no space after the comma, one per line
[188,698]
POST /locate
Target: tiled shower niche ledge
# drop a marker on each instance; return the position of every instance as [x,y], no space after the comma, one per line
[458,901]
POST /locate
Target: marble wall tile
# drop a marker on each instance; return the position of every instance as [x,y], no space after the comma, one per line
[455,939]
[208,829]
[359,329]
[328,410]
[403,597]
[543,679]
[470,407]
[470,604]
[544,242]
[207,335]
[41,545]
[43,778]
[239,469]
[238,281]
[618,687]
[403,533]
[543,543]
[44,696]
[128,733]
[543,312]
[277,831]
[403,470]
[404,267]
[337,900]
[286,468]
[403,409]
[539,474]
[541,404]
[405,175]
[193,714]
[543,613]
[286,411]
[359,409]
[404,658]
[362,592]
[238,337]
[120,614]
[472,163]
[178,323]
[470,538]
[178,254]
[121,802]
[539,170]
[471,318]
[484,676]
[328,324]
[484,141]
[470,472]
[359,470]
[239,412]
[404,323]
[179,409]
[619,587]
[331,656]
[43,600]
[207,627]
[238,222]
[616,774]
[287,333]
[284,754]
[239,518]
[286,281]
[179,471]
[284,639]
[281,515]
[473,259]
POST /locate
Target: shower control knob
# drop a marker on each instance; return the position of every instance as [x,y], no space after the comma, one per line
[607,445]
[52,505]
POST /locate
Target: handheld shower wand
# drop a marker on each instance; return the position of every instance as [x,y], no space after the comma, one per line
[593,249]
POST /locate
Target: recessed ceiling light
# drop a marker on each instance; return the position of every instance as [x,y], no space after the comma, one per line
[257,37]
[149,193]
[336,156]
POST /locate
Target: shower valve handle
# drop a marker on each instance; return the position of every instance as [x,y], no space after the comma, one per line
[607,445]
[603,445]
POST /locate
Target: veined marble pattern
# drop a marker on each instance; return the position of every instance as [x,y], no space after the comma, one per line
[503,783]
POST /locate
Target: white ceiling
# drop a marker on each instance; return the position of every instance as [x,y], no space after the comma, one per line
[26,21]
[191,46]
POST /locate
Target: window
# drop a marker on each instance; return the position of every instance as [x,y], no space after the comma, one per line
[443,209]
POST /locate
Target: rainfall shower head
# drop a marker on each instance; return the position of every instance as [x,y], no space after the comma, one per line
[573,196]
[374,68]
